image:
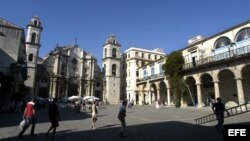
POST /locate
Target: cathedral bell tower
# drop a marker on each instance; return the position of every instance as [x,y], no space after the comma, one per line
[34,29]
[111,67]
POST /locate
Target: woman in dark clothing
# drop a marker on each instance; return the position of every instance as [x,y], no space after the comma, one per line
[54,117]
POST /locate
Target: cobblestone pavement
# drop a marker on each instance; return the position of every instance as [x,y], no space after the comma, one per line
[144,123]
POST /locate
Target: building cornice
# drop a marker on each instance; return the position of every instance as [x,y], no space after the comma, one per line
[220,33]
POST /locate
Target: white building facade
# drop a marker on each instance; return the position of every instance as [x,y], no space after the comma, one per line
[219,66]
[134,58]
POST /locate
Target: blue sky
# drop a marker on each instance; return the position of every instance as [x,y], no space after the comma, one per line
[149,24]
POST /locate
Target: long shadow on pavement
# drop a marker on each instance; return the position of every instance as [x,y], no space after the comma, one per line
[13,119]
[170,131]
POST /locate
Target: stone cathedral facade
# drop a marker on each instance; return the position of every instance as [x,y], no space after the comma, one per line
[72,71]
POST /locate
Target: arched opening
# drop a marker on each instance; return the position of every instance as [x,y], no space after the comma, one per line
[227,85]
[114,69]
[153,93]
[73,86]
[105,53]
[163,94]
[33,38]
[222,42]
[207,90]
[30,57]
[114,52]
[242,35]
[246,82]
[191,98]
[35,23]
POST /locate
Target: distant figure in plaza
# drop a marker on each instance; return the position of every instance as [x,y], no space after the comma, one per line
[94,114]
[121,117]
[30,118]
[219,109]
[54,117]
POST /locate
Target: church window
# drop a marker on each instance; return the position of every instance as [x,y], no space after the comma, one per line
[31,57]
[105,53]
[33,38]
[114,52]
[35,22]
[114,69]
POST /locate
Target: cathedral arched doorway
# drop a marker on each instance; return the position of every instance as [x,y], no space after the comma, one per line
[73,86]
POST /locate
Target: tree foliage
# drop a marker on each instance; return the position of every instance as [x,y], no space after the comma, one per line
[172,70]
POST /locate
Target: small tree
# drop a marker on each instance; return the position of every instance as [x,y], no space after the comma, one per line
[172,70]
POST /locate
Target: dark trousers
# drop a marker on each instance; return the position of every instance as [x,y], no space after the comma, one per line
[220,119]
[123,123]
[28,120]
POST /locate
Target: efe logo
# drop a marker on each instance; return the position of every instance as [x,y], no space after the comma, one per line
[236,132]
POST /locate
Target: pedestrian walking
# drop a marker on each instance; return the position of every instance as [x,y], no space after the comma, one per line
[94,115]
[29,117]
[54,117]
[219,109]
[121,117]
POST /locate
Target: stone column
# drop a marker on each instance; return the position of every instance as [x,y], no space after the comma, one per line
[241,97]
[67,87]
[51,88]
[169,97]
[198,85]
[80,87]
[158,94]
[149,97]
[216,89]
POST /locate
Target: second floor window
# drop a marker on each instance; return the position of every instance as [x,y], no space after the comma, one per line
[152,70]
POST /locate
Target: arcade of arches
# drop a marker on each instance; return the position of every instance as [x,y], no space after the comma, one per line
[150,92]
[232,84]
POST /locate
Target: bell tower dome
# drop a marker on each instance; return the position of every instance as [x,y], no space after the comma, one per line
[111,68]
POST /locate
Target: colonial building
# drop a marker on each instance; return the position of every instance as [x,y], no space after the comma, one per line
[219,66]
[13,66]
[134,58]
[111,70]
[34,29]
[72,72]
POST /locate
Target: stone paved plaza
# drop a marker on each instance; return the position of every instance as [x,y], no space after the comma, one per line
[144,123]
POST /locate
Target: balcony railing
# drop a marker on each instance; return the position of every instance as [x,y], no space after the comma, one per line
[154,76]
[230,53]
